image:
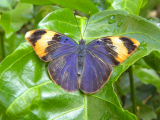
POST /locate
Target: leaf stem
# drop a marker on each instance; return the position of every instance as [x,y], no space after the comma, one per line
[132,89]
[85,107]
[2,45]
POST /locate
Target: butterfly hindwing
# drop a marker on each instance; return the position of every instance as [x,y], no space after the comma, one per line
[49,44]
[114,49]
[63,71]
[95,74]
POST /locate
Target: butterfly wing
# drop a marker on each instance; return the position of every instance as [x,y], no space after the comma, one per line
[63,71]
[95,74]
[101,55]
[49,44]
[114,49]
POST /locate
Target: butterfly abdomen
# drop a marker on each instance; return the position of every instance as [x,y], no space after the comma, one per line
[81,55]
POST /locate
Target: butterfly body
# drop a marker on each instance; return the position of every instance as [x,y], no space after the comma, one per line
[80,66]
[81,52]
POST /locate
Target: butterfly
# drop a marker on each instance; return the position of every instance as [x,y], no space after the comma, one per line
[80,66]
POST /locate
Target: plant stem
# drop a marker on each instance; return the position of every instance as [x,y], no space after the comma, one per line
[2,45]
[132,89]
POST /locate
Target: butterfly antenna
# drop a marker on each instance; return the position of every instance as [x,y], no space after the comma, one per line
[78,25]
[86,24]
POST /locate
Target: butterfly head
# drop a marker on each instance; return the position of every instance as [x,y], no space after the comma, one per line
[82,42]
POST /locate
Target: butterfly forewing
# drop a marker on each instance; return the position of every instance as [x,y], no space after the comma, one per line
[49,45]
[113,49]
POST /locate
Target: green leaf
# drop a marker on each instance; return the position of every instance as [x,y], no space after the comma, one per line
[131,6]
[148,76]
[43,12]
[37,2]
[156,21]
[7,5]
[85,6]
[157,54]
[2,52]
[63,21]
[27,91]
[147,93]
[153,61]
[146,113]
[148,8]
[12,43]
[100,4]
[125,83]
[157,110]
[13,20]
[144,3]
[141,63]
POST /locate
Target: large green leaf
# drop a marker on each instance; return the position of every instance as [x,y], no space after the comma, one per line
[13,20]
[85,6]
[131,6]
[27,91]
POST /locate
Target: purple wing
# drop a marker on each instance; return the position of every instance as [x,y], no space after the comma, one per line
[97,67]
[50,45]
[95,74]
[63,71]
[101,55]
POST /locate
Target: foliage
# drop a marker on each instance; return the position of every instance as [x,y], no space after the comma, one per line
[26,90]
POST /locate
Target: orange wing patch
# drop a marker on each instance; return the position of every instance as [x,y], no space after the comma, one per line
[39,40]
[124,47]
